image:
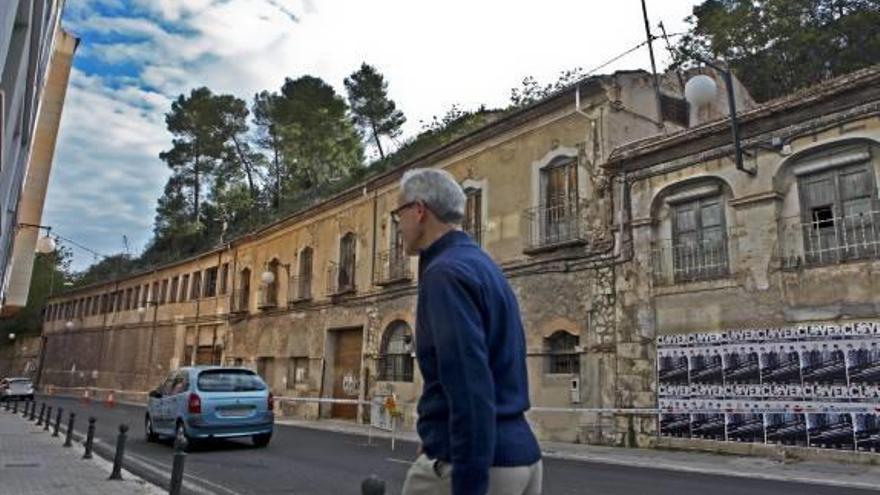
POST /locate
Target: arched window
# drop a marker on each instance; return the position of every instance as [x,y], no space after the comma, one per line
[304,279]
[241,298]
[839,208]
[562,354]
[347,262]
[395,356]
[269,291]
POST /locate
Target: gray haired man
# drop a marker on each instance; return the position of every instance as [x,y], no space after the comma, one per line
[471,350]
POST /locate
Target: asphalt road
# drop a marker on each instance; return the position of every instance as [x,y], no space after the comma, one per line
[306,461]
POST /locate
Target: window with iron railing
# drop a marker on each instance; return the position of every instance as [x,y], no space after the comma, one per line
[341,275]
[562,353]
[392,266]
[698,248]
[300,286]
[840,218]
[395,355]
[240,298]
[556,221]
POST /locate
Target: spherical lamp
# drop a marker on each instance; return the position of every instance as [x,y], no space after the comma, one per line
[45,245]
[700,90]
[267,277]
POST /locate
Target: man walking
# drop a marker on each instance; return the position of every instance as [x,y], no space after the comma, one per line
[470,347]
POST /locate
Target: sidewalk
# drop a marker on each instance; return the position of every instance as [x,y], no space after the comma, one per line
[32,462]
[814,472]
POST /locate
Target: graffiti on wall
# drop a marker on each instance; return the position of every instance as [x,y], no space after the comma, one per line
[810,385]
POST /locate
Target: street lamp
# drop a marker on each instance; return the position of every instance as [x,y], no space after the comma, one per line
[267,277]
[11,336]
[45,245]
[702,89]
[69,325]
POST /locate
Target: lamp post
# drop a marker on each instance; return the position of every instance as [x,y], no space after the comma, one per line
[702,89]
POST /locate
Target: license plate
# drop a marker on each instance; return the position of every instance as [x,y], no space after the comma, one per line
[235,411]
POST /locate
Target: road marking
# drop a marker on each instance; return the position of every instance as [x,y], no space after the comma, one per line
[166,467]
[399,461]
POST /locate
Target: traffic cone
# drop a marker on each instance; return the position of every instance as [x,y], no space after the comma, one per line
[110,402]
[86,397]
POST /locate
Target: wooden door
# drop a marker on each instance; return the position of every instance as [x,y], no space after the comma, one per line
[346,372]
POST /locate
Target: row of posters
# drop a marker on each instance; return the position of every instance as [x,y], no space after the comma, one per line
[812,385]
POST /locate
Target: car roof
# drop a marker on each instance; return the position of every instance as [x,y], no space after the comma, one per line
[212,367]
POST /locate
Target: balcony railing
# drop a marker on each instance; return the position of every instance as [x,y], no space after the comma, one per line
[554,226]
[299,289]
[675,263]
[391,267]
[830,240]
[340,279]
[268,296]
[239,301]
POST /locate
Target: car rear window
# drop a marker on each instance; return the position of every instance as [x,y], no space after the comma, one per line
[19,381]
[229,381]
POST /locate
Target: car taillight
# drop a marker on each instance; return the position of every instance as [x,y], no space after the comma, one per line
[270,402]
[195,404]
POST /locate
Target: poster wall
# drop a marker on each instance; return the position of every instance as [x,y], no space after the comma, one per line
[809,385]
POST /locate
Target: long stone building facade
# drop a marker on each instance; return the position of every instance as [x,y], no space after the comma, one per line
[576,197]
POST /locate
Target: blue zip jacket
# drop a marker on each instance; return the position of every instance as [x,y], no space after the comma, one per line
[471,351]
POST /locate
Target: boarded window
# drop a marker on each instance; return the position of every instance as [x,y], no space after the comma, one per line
[304,284]
[699,241]
[347,262]
[196,287]
[211,282]
[840,214]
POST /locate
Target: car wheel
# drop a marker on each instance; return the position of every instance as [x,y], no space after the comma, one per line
[261,440]
[148,428]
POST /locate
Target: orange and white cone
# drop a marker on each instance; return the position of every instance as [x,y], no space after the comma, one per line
[86,397]
[110,402]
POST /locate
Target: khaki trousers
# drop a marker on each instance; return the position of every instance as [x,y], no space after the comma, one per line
[429,477]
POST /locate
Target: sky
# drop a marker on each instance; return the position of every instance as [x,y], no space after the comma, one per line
[136,56]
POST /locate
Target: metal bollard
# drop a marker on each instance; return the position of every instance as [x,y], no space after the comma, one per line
[90,438]
[28,407]
[42,412]
[120,452]
[177,467]
[48,419]
[373,486]
[69,435]
[57,421]
[33,410]
[15,407]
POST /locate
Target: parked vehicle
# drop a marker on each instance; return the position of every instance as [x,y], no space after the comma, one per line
[211,402]
[16,388]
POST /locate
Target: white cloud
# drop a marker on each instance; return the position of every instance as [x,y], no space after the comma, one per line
[107,174]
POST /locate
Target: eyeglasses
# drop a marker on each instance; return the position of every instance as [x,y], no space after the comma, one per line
[395,213]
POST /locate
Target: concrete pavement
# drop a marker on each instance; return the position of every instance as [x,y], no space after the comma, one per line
[32,462]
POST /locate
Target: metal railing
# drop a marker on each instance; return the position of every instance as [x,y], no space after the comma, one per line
[830,240]
[553,226]
[396,367]
[340,279]
[392,266]
[675,263]
[299,289]
[239,301]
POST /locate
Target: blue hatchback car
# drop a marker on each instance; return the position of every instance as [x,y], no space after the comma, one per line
[211,402]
